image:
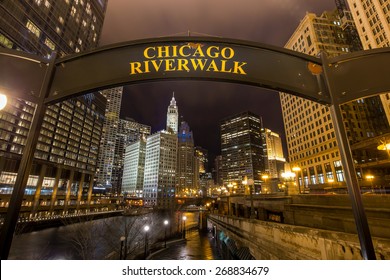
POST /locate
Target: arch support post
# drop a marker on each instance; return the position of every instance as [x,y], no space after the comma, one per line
[351,179]
[11,219]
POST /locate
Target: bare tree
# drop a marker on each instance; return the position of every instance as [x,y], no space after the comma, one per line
[84,237]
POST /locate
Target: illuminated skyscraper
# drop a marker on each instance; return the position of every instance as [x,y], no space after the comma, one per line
[41,27]
[173,116]
[134,167]
[201,165]
[129,131]
[108,140]
[185,161]
[309,129]
[242,149]
[372,19]
[160,170]
[274,157]
[66,156]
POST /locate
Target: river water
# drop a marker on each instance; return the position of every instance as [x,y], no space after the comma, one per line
[100,239]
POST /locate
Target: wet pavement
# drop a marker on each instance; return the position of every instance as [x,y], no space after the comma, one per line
[198,246]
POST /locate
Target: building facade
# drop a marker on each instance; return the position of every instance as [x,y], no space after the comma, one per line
[201,166]
[129,131]
[309,129]
[159,188]
[65,162]
[44,26]
[274,156]
[104,174]
[242,150]
[372,20]
[185,162]
[133,170]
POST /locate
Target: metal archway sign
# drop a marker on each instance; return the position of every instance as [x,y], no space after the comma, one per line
[331,82]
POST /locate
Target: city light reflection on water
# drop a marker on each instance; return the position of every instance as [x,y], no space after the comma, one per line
[54,243]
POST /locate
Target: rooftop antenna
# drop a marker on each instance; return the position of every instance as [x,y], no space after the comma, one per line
[189,33]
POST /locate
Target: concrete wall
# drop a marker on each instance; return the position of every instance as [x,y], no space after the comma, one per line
[328,212]
[276,241]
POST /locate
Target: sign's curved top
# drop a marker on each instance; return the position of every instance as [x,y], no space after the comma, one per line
[345,78]
[202,58]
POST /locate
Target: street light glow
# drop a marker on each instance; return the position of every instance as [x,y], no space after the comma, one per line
[296,169]
[146,228]
[3,101]
[288,174]
[184,218]
[166,222]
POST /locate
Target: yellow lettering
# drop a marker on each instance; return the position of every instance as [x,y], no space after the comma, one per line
[146,64]
[155,65]
[201,63]
[198,51]
[135,68]
[223,67]
[181,51]
[174,51]
[212,67]
[224,55]
[215,54]
[162,51]
[238,68]
[169,64]
[182,64]
[146,53]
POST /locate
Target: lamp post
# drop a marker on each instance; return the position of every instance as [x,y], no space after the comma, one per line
[264,178]
[370,178]
[165,235]
[297,169]
[289,177]
[146,229]
[249,182]
[122,239]
[184,226]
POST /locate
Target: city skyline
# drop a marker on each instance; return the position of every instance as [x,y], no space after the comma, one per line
[203,104]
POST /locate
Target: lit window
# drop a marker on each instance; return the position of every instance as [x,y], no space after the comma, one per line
[47,4]
[38,2]
[5,42]
[73,11]
[61,20]
[33,28]
[50,44]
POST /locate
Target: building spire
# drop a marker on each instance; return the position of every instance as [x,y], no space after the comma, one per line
[173,116]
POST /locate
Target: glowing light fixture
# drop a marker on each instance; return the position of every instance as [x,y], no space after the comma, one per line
[3,101]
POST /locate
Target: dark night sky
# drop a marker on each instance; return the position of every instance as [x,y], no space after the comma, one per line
[204,104]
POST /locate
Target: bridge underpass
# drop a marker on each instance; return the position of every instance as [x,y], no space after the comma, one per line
[300,227]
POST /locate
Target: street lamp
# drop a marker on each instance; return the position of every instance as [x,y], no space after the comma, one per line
[122,239]
[165,236]
[289,177]
[370,178]
[297,169]
[146,229]
[184,226]
[249,182]
[3,101]
[264,178]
